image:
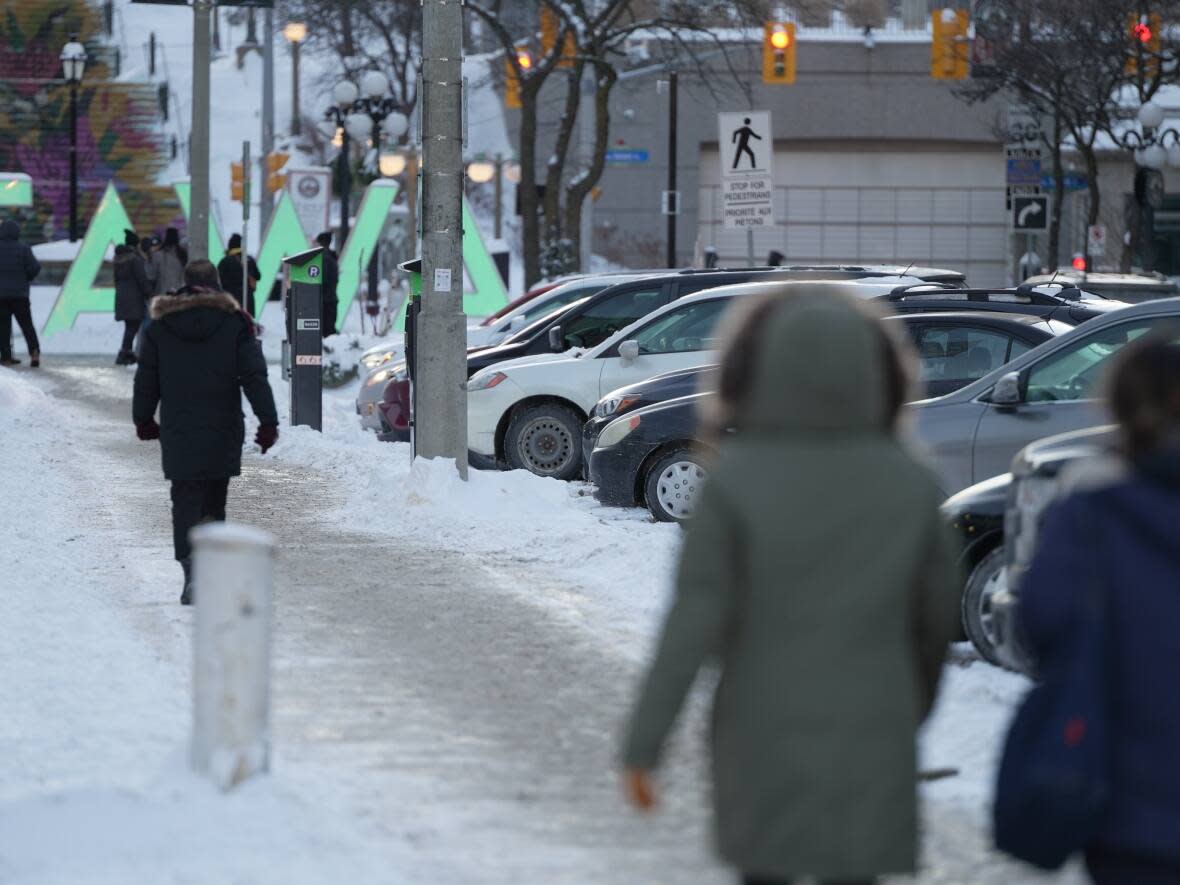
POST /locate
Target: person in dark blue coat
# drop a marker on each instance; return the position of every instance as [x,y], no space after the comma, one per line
[1126,534]
[18,268]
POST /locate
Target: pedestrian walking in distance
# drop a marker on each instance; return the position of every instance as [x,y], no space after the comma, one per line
[18,268]
[1121,537]
[229,269]
[133,290]
[196,358]
[329,303]
[168,263]
[828,637]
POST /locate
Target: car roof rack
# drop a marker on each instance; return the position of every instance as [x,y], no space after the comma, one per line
[1028,292]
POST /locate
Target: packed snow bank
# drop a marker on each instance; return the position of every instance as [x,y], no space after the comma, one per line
[95,687]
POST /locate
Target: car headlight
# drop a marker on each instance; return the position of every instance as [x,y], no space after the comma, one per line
[485,381]
[615,432]
[373,360]
[378,378]
[608,407]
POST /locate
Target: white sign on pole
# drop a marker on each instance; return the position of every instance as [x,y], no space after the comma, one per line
[311,193]
[746,143]
[1096,240]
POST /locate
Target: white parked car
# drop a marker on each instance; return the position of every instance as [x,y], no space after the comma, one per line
[528,413]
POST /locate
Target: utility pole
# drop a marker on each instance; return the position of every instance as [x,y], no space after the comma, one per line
[268,118]
[198,229]
[440,427]
[672,196]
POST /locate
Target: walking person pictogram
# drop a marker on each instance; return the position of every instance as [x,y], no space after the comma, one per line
[742,137]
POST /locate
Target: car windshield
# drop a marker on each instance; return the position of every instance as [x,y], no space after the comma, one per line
[686,329]
[529,331]
[1073,372]
[559,298]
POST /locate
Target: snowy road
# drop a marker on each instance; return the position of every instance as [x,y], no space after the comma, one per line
[452,700]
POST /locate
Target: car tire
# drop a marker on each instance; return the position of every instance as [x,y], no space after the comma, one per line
[545,439]
[673,484]
[983,582]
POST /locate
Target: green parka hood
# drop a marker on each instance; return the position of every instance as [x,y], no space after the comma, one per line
[821,367]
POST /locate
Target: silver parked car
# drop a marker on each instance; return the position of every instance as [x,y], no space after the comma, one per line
[974,433]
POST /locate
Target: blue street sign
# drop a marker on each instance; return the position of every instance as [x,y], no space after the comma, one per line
[625,156]
[1024,170]
[1072,182]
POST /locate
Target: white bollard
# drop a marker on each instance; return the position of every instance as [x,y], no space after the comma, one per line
[233,572]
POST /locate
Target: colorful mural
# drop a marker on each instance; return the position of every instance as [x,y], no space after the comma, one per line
[118,138]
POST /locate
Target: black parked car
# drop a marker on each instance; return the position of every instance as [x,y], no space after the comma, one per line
[654,455]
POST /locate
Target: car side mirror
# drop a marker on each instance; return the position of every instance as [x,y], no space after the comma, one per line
[1007,390]
[556,339]
[629,350]
[518,322]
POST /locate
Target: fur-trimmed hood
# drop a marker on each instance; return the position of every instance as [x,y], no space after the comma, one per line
[165,305]
[196,315]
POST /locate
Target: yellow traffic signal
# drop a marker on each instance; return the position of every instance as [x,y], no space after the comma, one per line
[1144,33]
[949,45]
[524,59]
[778,52]
[237,182]
[275,161]
[550,28]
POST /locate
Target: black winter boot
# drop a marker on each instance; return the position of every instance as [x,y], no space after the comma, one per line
[186,597]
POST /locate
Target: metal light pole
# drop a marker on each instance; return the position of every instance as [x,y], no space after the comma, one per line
[268,116]
[672,196]
[198,229]
[1154,148]
[73,63]
[497,227]
[296,33]
[440,427]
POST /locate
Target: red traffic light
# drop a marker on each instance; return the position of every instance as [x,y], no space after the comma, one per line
[1142,32]
[1079,262]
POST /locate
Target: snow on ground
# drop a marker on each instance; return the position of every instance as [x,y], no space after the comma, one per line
[94,786]
[96,718]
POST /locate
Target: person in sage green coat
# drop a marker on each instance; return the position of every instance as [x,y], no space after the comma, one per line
[817,575]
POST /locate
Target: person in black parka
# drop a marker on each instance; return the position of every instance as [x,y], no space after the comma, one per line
[329,300]
[195,359]
[18,268]
[230,271]
[133,290]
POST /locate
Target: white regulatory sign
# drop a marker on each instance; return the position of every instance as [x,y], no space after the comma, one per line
[1096,240]
[746,143]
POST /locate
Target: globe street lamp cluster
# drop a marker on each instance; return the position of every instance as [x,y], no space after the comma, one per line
[1154,147]
[365,113]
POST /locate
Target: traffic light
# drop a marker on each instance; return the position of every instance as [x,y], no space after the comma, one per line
[778,52]
[524,58]
[949,45]
[275,161]
[550,28]
[1144,33]
[237,182]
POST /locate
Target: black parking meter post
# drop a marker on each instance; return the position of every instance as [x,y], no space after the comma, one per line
[303,276]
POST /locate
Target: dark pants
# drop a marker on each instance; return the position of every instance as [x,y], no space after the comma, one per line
[130,327]
[755,880]
[18,309]
[1114,868]
[195,501]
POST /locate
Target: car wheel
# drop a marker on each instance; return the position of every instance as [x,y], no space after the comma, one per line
[985,580]
[673,484]
[545,440]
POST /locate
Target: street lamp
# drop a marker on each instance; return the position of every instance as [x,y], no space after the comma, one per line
[73,65]
[362,113]
[481,171]
[1154,147]
[296,33]
[392,164]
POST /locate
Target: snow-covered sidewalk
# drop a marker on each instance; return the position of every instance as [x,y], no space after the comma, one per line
[452,664]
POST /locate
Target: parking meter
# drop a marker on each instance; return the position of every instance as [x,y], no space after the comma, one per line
[413,269]
[303,276]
